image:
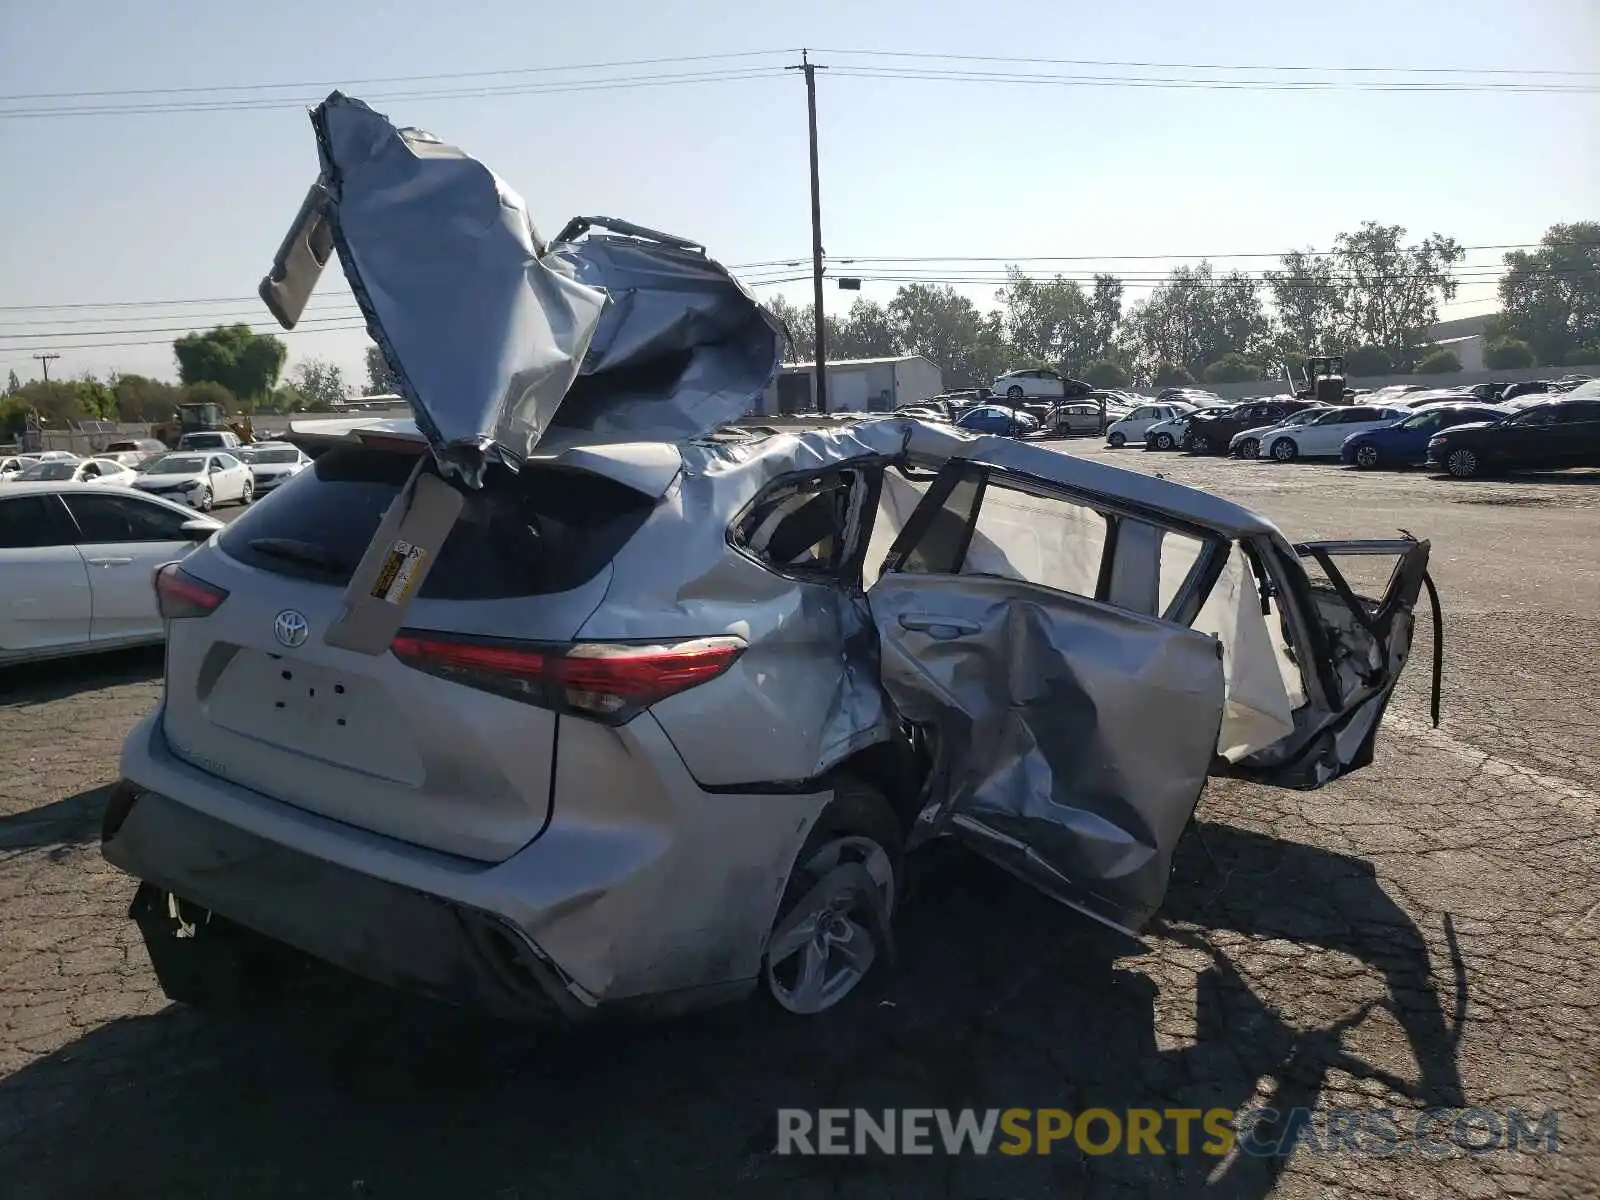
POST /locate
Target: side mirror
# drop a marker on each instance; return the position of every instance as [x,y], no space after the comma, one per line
[197,531]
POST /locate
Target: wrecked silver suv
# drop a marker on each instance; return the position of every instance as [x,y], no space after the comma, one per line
[568,698]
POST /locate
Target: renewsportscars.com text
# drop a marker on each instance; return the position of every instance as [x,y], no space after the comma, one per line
[1216,1132]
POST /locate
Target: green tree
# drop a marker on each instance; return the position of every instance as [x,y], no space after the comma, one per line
[321,382]
[1233,367]
[61,402]
[1106,373]
[1389,293]
[1168,375]
[1551,297]
[967,346]
[380,379]
[142,399]
[1507,354]
[865,333]
[1306,298]
[1054,323]
[1366,361]
[1195,318]
[1586,355]
[247,364]
[13,384]
[1439,362]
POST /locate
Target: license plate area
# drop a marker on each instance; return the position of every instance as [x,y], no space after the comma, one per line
[314,711]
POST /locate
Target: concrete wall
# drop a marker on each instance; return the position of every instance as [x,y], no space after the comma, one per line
[1271,387]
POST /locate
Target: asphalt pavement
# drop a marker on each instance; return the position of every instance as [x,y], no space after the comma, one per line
[1421,935]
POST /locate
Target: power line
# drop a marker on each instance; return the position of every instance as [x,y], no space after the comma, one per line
[1179,66]
[382,79]
[265,104]
[799,262]
[1206,84]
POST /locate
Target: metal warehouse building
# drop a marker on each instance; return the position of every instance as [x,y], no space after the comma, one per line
[855,385]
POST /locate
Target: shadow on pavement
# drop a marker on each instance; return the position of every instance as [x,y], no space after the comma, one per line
[73,820]
[60,678]
[1000,999]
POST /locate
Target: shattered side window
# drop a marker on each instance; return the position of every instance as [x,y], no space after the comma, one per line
[1044,540]
[803,524]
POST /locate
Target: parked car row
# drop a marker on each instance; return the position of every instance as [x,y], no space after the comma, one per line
[198,480]
[1450,430]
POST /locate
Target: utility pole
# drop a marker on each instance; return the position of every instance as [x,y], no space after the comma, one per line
[820,365]
[44,361]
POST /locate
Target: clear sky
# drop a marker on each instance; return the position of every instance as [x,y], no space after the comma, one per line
[184,206]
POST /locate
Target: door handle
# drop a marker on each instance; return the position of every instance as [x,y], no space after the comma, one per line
[939,627]
[111,562]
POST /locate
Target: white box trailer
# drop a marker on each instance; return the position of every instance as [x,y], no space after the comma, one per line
[855,385]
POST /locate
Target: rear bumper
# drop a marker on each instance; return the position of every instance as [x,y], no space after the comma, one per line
[644,894]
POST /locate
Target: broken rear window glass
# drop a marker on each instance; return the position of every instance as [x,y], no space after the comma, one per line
[804,524]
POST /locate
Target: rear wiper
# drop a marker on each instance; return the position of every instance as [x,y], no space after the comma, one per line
[306,554]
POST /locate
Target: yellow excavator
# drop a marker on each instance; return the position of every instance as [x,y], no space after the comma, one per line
[201,418]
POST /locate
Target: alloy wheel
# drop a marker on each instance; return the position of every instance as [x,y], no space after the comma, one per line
[1463,464]
[1367,456]
[1163,441]
[1249,448]
[1284,450]
[824,946]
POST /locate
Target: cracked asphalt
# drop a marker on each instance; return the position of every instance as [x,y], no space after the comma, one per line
[1423,934]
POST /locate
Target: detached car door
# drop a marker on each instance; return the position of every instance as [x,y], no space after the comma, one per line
[123,538]
[1087,651]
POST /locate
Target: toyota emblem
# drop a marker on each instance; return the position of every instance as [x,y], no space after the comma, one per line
[291,628]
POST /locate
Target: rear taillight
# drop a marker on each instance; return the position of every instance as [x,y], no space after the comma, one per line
[180,594]
[609,681]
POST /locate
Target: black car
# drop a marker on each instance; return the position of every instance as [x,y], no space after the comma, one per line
[1489,393]
[1563,433]
[1210,430]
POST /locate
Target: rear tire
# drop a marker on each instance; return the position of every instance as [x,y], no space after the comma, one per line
[1284,450]
[1014,393]
[1117,441]
[249,492]
[1163,441]
[834,923]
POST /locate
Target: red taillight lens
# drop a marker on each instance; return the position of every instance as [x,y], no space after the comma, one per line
[179,594]
[610,681]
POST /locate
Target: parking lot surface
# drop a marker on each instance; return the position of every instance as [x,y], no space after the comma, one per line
[1424,934]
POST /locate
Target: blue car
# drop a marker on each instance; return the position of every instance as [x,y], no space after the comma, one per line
[997,418]
[1405,443]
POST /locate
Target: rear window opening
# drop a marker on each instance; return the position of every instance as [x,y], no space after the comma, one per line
[536,532]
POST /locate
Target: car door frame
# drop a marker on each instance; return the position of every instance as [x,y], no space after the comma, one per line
[1121,902]
[1329,628]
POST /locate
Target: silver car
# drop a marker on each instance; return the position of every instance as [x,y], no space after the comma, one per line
[650,722]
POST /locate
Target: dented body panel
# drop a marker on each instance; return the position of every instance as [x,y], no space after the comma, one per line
[572,806]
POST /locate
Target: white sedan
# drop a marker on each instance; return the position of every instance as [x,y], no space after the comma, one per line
[1323,436]
[76,561]
[199,479]
[1017,386]
[273,463]
[83,470]
[12,465]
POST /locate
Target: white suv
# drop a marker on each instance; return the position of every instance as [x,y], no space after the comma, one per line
[1133,426]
